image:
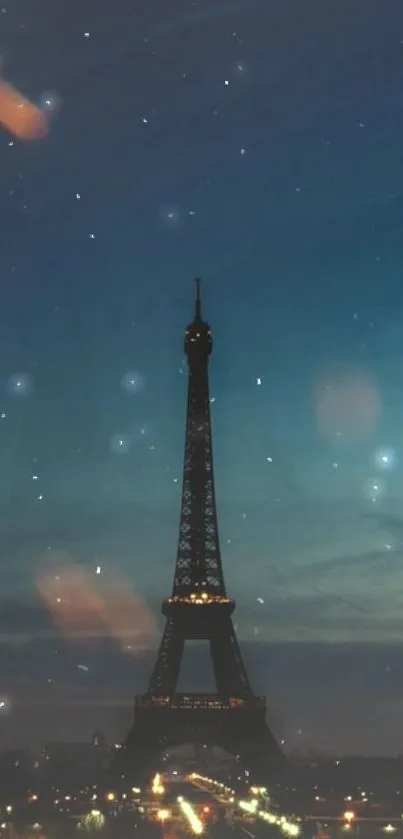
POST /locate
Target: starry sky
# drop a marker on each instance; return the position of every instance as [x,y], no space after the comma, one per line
[257,145]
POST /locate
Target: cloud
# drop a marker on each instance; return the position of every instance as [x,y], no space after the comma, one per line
[319,616]
[23,620]
[328,563]
[24,623]
[388,522]
[119,532]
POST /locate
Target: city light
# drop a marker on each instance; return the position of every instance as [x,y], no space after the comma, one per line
[195,823]
[199,598]
[226,795]
[157,785]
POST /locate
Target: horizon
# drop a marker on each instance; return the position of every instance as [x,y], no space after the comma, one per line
[305,685]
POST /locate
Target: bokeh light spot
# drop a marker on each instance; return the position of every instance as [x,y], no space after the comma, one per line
[347,406]
[119,444]
[132,382]
[19,384]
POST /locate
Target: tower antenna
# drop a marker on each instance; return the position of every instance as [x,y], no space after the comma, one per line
[198,314]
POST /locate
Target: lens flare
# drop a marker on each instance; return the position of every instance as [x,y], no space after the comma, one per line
[87,606]
[19,116]
[347,406]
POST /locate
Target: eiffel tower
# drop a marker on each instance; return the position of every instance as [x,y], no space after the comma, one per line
[199,608]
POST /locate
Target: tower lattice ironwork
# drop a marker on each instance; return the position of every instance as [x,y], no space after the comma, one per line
[199,609]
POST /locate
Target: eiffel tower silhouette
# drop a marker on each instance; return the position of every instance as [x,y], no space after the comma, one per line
[199,608]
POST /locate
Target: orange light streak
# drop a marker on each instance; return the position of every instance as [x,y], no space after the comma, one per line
[19,116]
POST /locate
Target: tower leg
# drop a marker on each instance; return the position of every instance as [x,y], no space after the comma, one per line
[228,667]
[165,675]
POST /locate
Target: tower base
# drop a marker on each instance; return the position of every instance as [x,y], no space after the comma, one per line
[236,725]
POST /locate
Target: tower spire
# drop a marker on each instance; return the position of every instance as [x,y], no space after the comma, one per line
[198,313]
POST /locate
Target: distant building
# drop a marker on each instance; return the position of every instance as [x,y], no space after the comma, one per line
[78,761]
[16,759]
[16,772]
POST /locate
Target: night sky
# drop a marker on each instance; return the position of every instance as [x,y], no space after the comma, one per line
[258,145]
